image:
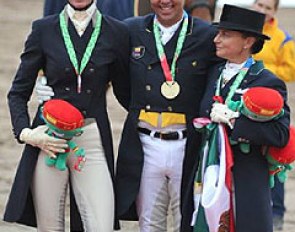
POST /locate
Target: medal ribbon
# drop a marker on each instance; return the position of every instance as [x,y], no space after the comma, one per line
[242,73]
[170,74]
[70,47]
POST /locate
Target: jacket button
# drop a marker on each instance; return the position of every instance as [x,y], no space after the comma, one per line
[148,107]
[67,88]
[169,108]
[194,63]
[91,70]
[88,91]
[84,112]
[67,70]
[149,67]
[148,88]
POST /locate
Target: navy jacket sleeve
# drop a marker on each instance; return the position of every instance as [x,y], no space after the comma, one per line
[24,81]
[120,71]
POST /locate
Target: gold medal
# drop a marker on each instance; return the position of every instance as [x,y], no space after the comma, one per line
[170,89]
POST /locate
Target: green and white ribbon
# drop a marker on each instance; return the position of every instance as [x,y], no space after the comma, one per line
[79,68]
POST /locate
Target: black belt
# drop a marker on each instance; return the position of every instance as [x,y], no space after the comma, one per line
[165,135]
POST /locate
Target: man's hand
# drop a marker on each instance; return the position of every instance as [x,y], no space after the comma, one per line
[220,113]
[37,137]
[43,91]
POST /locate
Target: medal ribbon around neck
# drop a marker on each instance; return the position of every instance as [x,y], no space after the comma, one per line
[70,47]
[170,74]
[237,82]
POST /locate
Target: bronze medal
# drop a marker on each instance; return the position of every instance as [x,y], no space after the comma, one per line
[170,89]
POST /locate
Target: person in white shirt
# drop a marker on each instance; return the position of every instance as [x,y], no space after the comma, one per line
[239,198]
[80,51]
[171,53]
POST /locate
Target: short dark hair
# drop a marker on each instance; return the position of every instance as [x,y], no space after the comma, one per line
[258,44]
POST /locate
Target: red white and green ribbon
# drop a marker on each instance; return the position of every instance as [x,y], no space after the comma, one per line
[79,68]
[170,74]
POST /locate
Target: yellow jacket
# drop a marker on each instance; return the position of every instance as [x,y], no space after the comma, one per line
[278,54]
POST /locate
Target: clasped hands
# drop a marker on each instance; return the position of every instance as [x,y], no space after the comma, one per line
[37,137]
[220,113]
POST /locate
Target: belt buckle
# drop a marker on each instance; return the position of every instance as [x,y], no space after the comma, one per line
[162,135]
[176,135]
[169,136]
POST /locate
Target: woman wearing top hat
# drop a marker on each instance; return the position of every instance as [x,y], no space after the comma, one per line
[239,37]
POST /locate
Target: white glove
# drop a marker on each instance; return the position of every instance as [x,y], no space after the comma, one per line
[44,92]
[38,138]
[220,113]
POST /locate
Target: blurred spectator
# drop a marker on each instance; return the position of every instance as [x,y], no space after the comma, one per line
[278,54]
[204,9]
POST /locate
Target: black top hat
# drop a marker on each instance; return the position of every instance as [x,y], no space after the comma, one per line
[242,19]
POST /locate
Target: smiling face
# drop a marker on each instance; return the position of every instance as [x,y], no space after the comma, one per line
[267,7]
[168,12]
[80,4]
[233,46]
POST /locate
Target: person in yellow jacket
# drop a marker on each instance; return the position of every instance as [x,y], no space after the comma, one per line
[278,54]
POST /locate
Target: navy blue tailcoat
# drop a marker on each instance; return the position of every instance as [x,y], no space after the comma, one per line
[250,171]
[45,49]
[146,77]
